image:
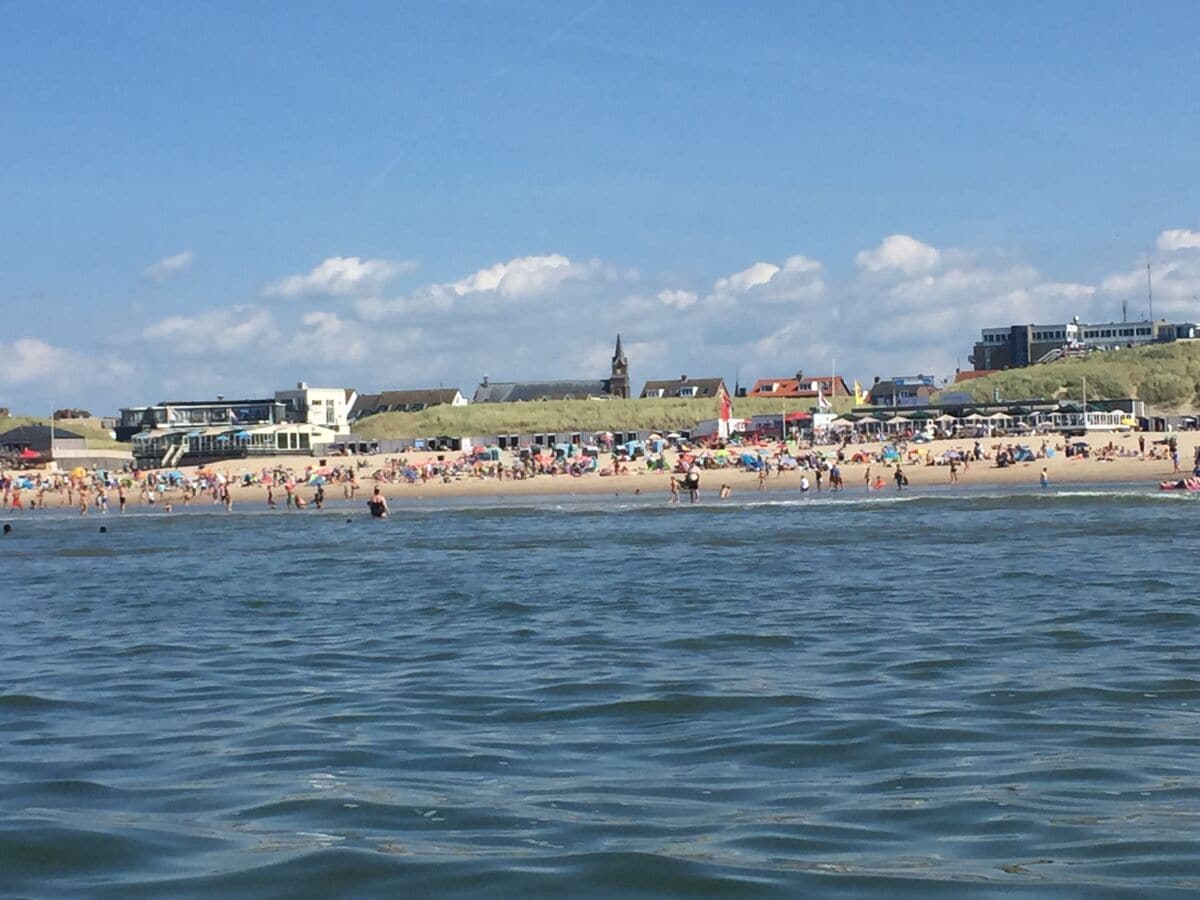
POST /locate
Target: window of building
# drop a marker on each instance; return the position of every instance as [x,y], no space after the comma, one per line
[687,392]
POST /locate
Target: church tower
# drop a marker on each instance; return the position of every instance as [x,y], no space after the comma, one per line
[618,385]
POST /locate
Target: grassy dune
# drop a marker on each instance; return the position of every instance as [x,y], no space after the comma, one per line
[97,438]
[1166,375]
[562,416]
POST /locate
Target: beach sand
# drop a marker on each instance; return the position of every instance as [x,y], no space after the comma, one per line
[1060,470]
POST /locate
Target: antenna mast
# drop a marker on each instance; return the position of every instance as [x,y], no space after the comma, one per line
[1149,292]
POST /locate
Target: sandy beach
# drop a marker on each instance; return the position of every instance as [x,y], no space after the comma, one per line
[1060,469]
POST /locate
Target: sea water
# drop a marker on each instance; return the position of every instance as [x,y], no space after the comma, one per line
[929,695]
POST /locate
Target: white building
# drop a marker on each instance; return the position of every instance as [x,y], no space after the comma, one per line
[328,407]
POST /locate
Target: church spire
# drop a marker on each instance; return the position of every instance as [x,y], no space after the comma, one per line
[618,384]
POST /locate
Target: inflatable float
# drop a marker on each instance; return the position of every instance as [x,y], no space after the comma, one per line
[1184,484]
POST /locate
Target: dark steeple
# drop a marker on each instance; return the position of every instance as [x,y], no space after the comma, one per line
[619,383]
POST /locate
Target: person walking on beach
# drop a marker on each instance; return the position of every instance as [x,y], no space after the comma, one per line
[804,484]
[1045,478]
[817,477]
[1141,445]
[867,478]
[674,489]
[900,478]
[953,471]
[762,479]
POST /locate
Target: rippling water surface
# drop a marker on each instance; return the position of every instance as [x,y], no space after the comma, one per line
[971,696]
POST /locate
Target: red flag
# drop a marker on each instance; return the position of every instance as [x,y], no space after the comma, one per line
[726,407]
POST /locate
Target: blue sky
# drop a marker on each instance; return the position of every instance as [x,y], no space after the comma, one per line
[911,173]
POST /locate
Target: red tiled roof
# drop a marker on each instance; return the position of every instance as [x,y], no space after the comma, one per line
[969,375]
[790,387]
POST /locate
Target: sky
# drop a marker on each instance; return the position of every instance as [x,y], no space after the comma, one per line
[229,198]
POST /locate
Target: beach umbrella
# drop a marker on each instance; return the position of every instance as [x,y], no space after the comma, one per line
[946,417]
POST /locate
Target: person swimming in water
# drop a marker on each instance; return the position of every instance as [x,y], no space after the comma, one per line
[378,504]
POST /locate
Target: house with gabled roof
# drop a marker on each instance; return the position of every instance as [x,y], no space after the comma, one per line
[685,388]
[803,387]
[405,401]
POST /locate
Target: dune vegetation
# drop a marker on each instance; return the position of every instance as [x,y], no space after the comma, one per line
[97,438]
[556,416]
[1164,375]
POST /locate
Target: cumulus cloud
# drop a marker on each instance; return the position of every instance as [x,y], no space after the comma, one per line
[170,266]
[341,276]
[905,307]
[1178,239]
[677,299]
[899,252]
[326,336]
[740,282]
[525,276]
[213,332]
[30,361]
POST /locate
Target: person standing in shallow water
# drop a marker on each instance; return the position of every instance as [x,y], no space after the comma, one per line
[693,483]
[378,504]
[899,477]
[1045,478]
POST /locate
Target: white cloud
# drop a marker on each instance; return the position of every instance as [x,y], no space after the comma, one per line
[525,276]
[1178,239]
[31,362]
[677,299]
[341,276]
[905,307]
[899,252]
[31,359]
[326,336]
[170,266]
[740,282]
[521,278]
[217,331]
